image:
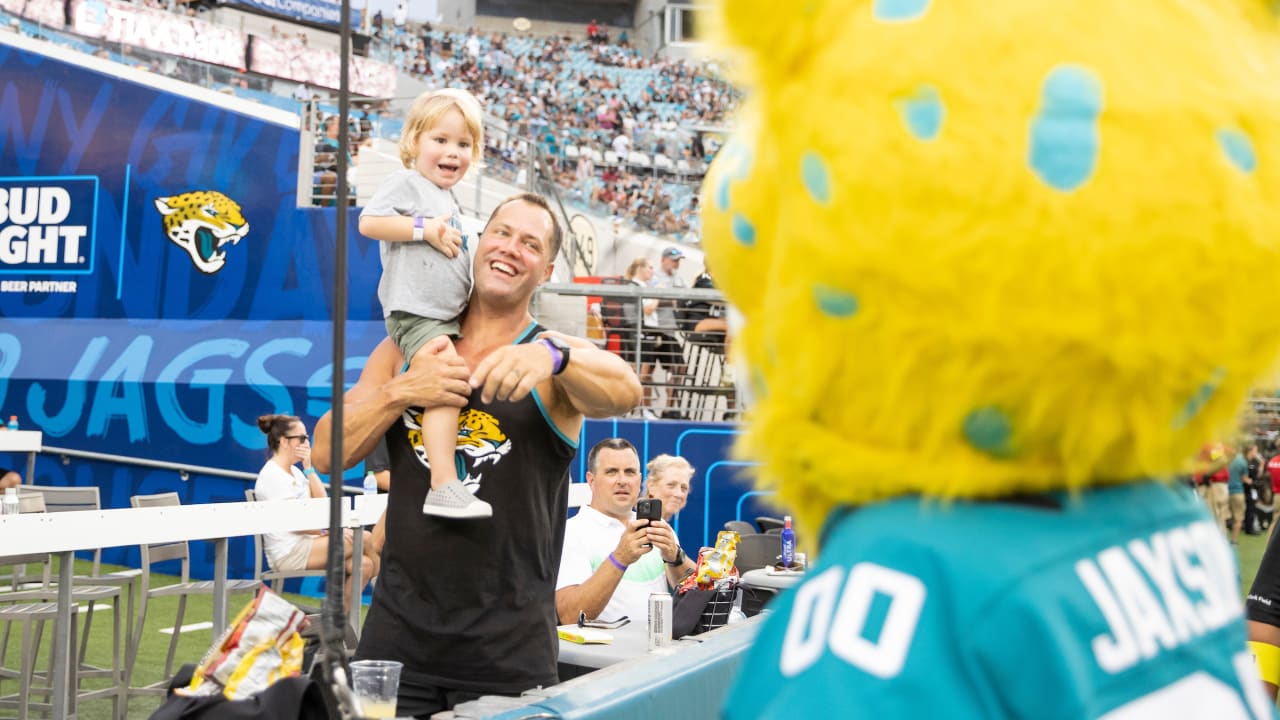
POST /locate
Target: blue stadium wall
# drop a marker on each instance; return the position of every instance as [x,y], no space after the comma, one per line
[149,357]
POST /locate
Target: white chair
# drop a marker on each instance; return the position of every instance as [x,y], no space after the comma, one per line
[32,500]
[80,498]
[31,615]
[271,575]
[184,588]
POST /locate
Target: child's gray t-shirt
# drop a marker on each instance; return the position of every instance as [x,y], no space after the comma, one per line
[417,278]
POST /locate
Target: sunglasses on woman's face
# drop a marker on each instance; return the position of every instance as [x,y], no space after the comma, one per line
[297,437]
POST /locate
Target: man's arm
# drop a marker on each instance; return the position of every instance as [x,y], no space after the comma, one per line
[595,383]
[664,538]
[380,396]
[594,593]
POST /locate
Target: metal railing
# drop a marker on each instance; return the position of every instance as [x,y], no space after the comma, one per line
[184,470]
[690,379]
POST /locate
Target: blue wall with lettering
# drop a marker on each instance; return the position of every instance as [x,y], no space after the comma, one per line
[170,326]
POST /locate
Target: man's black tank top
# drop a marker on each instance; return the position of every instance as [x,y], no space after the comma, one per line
[470,604]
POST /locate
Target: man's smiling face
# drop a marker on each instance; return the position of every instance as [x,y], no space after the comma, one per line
[514,253]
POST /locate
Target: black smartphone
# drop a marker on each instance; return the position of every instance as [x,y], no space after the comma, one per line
[649,509]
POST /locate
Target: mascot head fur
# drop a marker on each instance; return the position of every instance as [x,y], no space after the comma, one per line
[983,248]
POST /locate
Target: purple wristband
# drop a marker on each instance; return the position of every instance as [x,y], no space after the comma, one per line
[620,566]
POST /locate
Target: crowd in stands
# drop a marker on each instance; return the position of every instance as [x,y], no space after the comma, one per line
[621,133]
[617,129]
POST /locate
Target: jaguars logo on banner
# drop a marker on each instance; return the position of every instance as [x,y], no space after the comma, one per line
[47,224]
[203,223]
[480,442]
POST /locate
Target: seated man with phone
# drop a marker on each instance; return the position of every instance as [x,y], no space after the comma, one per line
[613,557]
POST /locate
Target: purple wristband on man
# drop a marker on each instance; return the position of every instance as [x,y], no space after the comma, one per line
[620,566]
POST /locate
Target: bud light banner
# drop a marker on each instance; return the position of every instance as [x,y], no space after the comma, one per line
[322,12]
[47,225]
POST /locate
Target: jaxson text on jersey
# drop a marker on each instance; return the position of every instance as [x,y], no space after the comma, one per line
[1154,594]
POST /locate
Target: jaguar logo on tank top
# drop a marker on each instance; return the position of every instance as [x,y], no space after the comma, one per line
[481,443]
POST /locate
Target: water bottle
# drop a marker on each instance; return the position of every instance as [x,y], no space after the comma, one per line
[13,422]
[788,543]
[9,503]
[370,484]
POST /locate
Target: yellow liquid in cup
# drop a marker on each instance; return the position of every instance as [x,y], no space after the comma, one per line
[379,708]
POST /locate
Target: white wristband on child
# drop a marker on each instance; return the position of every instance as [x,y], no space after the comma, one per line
[418,234]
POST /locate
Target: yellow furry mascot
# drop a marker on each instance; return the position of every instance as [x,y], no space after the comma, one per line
[998,264]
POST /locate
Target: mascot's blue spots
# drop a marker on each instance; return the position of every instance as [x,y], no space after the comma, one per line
[988,430]
[816,178]
[835,302]
[923,113]
[722,193]
[1201,396]
[1239,149]
[737,161]
[1064,135]
[899,10]
[743,230]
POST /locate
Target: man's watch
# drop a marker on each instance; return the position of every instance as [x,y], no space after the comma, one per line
[559,354]
[680,556]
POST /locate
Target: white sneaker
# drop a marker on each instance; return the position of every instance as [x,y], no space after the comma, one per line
[455,501]
[648,414]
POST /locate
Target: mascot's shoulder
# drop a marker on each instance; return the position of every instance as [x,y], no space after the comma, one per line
[990,538]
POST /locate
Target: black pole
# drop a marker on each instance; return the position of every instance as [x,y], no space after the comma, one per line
[333,619]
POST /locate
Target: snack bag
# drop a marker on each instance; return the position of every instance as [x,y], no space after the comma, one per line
[262,645]
[719,561]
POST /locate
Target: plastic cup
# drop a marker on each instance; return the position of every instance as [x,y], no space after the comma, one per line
[375,684]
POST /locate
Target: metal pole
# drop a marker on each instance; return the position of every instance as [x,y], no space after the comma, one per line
[62,655]
[334,620]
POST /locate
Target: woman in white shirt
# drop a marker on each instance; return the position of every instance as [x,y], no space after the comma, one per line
[280,479]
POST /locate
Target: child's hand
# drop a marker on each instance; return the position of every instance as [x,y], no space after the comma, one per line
[446,238]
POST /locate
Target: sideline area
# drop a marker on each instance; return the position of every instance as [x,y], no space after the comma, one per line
[620,690]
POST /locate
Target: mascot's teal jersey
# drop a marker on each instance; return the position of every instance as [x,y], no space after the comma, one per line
[1121,603]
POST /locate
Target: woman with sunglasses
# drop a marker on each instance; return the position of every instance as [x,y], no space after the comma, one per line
[280,479]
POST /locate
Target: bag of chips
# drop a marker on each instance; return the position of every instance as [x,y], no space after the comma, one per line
[719,561]
[262,645]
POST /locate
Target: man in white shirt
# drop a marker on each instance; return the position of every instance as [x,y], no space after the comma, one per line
[612,562]
[622,147]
